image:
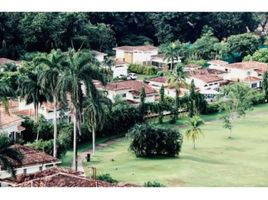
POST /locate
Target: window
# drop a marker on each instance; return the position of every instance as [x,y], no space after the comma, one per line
[124,95]
[210,84]
[253,85]
[40,168]
[226,70]
[215,83]
[248,73]
[205,85]
[25,171]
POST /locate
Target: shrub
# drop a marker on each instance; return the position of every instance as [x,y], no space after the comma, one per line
[153,184]
[258,98]
[142,69]
[41,145]
[211,108]
[107,178]
[151,140]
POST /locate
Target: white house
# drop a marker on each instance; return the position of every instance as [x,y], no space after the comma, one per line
[99,55]
[10,124]
[161,62]
[33,161]
[120,68]
[157,83]
[217,64]
[249,72]
[136,54]
[128,90]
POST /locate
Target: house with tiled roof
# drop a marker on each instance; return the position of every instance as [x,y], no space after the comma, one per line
[135,54]
[249,72]
[10,124]
[161,62]
[100,56]
[128,90]
[33,161]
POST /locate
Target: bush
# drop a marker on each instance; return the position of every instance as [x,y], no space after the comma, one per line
[202,63]
[107,178]
[212,108]
[258,98]
[41,145]
[142,69]
[151,141]
[153,184]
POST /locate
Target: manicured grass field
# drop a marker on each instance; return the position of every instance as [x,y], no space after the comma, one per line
[217,161]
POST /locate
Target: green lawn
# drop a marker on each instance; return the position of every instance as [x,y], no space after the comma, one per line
[218,161]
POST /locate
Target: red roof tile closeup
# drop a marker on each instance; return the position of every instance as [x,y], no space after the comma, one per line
[261,67]
[137,48]
[252,79]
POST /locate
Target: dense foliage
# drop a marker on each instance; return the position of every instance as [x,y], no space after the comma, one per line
[151,141]
[153,184]
[107,178]
[142,69]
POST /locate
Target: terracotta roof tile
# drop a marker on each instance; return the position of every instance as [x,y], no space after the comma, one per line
[218,62]
[8,118]
[252,79]
[160,79]
[261,67]
[207,75]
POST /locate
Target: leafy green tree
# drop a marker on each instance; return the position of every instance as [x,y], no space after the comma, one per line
[142,102]
[49,78]
[239,101]
[79,70]
[265,85]
[5,93]
[31,90]
[176,80]
[9,156]
[161,104]
[194,130]
[227,124]
[260,55]
[192,109]
[242,44]
[96,109]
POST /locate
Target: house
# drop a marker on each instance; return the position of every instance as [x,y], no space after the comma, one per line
[161,62]
[208,81]
[217,64]
[10,124]
[192,67]
[249,72]
[99,55]
[120,68]
[128,90]
[157,83]
[33,161]
[136,54]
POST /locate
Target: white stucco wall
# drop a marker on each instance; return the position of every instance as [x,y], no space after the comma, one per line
[120,70]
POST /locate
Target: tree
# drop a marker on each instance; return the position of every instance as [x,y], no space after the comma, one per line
[239,101]
[265,85]
[31,90]
[96,109]
[79,70]
[260,55]
[242,44]
[176,80]
[227,124]
[49,78]
[9,156]
[171,53]
[142,102]
[161,103]
[194,130]
[192,109]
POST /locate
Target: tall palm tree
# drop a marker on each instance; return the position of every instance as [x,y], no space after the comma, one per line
[80,70]
[176,80]
[8,155]
[49,78]
[171,53]
[96,110]
[194,130]
[31,90]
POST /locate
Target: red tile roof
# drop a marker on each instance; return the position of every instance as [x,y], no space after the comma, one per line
[6,61]
[160,79]
[261,67]
[252,79]
[7,119]
[132,85]
[137,48]
[33,157]
[207,75]
[120,62]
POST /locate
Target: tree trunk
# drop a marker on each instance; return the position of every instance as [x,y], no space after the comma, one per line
[74,143]
[194,145]
[93,141]
[230,136]
[55,127]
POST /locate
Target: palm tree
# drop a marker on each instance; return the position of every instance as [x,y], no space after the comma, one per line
[176,80]
[80,70]
[5,92]
[31,90]
[9,156]
[49,78]
[265,85]
[194,130]
[97,107]
[171,53]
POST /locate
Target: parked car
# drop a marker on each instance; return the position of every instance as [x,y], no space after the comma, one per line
[131,76]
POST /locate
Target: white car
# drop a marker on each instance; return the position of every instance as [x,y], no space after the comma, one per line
[131,76]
